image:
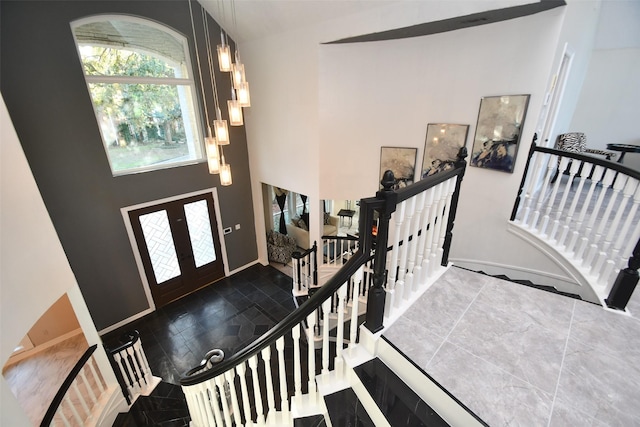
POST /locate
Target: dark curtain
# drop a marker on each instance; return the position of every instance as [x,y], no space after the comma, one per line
[281,199]
[304,215]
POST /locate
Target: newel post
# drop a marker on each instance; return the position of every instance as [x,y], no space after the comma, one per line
[460,163]
[375,300]
[625,283]
[532,149]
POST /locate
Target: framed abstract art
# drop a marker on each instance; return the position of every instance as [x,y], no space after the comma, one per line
[400,161]
[498,131]
[441,147]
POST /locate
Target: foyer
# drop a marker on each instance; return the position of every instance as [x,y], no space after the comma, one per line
[513,355]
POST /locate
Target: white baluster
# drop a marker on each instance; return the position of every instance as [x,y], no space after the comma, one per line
[450,188]
[586,171]
[230,376]
[433,215]
[76,415]
[61,412]
[81,399]
[98,378]
[326,325]
[297,369]
[222,393]
[552,199]
[205,399]
[271,402]
[573,169]
[404,250]
[551,165]
[282,376]
[622,236]
[135,384]
[410,283]
[355,300]
[257,394]
[311,322]
[142,357]
[422,241]
[392,258]
[123,372]
[192,405]
[578,231]
[214,400]
[593,248]
[337,362]
[82,377]
[536,159]
[439,229]
[241,369]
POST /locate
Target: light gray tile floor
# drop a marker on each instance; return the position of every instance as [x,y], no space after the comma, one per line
[519,356]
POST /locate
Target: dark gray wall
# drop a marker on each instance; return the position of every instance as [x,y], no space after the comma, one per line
[45,92]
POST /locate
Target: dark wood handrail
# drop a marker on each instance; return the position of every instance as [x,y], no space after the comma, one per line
[133,338]
[308,307]
[590,159]
[57,400]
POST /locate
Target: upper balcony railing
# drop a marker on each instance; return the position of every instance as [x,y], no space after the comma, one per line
[586,210]
[411,245]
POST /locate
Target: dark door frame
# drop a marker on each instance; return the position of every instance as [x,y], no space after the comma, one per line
[218,234]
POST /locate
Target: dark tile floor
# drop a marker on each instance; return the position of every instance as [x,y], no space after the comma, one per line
[228,315]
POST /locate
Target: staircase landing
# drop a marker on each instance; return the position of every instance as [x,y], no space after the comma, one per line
[515,355]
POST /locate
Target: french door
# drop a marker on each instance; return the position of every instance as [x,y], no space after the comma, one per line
[178,246]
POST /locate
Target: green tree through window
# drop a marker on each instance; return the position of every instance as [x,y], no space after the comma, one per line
[138,77]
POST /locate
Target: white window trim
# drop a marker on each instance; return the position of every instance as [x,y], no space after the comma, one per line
[198,144]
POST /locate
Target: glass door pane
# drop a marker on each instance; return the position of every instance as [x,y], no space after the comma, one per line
[159,241]
[199,226]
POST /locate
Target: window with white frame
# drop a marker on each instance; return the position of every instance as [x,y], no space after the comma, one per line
[139,77]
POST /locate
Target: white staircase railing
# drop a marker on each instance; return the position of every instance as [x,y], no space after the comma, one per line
[275,378]
[585,209]
[132,368]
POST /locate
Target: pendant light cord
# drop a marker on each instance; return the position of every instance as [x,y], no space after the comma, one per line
[195,42]
[212,74]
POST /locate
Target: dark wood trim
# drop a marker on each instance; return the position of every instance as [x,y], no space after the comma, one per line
[457,23]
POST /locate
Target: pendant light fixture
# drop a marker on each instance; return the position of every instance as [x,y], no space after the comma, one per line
[211,146]
[224,54]
[225,173]
[235,110]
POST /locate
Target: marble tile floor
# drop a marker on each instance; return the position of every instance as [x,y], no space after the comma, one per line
[519,356]
[228,315]
[36,380]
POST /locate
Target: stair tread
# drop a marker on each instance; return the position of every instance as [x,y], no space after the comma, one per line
[345,410]
[311,421]
[397,401]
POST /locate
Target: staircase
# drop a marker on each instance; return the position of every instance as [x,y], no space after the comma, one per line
[164,407]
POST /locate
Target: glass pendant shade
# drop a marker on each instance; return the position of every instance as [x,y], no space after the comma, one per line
[237,74]
[244,98]
[224,57]
[225,174]
[222,131]
[235,113]
[213,158]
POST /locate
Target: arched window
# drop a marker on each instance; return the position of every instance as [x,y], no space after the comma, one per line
[139,76]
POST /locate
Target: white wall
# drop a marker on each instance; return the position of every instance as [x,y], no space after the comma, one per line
[609,102]
[385,94]
[293,128]
[35,272]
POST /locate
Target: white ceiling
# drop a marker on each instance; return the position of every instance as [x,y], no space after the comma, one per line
[247,20]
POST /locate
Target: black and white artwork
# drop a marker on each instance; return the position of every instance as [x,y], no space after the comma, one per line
[400,161]
[442,146]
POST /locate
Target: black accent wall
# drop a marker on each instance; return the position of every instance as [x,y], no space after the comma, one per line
[45,92]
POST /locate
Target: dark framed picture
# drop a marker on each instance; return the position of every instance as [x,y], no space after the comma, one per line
[401,161]
[441,147]
[500,122]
